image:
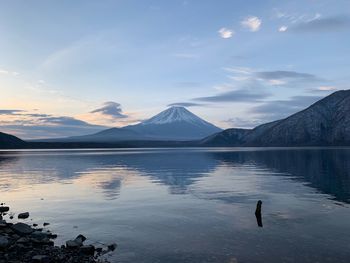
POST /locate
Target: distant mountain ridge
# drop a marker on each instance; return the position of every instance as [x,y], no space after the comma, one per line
[173,124]
[326,122]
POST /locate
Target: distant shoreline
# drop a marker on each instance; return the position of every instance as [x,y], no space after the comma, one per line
[148,144]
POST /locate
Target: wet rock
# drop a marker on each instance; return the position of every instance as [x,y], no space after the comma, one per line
[39,235]
[112,247]
[3,223]
[20,243]
[22,229]
[35,225]
[52,236]
[40,259]
[46,224]
[71,244]
[23,215]
[23,240]
[80,240]
[8,230]
[4,242]
[15,236]
[77,242]
[4,209]
[88,250]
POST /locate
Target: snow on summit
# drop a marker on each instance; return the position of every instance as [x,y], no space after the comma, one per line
[175,114]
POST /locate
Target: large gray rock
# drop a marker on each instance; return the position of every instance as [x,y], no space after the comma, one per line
[22,229]
[88,250]
[80,239]
[77,242]
[72,244]
[39,235]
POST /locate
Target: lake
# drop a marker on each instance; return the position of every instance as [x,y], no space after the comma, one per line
[190,204]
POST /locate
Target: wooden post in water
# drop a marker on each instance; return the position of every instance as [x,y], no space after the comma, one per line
[258,213]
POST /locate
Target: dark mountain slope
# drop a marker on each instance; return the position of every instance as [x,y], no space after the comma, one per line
[326,122]
[229,137]
[8,141]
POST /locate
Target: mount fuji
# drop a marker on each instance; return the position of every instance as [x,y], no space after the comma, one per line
[173,124]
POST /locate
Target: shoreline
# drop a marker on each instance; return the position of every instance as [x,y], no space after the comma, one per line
[21,242]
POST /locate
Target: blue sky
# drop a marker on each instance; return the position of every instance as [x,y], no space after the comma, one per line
[75,67]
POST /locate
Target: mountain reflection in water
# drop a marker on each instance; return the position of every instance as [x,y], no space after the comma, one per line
[327,170]
[190,205]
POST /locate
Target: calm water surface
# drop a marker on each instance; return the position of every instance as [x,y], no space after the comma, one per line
[189,205]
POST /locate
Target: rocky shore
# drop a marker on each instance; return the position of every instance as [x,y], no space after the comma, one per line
[21,242]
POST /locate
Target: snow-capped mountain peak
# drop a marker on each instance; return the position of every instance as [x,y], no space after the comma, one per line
[173,124]
[175,114]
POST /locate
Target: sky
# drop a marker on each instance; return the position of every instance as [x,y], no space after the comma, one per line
[76,67]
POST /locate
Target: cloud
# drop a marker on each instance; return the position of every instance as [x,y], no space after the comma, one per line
[7,72]
[27,125]
[279,109]
[276,82]
[61,120]
[266,111]
[185,104]
[324,88]
[38,115]
[10,112]
[327,24]
[226,33]
[243,123]
[283,74]
[252,23]
[249,77]
[294,18]
[111,109]
[256,87]
[283,29]
[239,95]
[327,88]
[239,70]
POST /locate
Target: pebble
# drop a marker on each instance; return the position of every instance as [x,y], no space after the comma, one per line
[20,243]
[3,242]
[4,209]
[23,215]
[112,247]
[2,223]
[40,259]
